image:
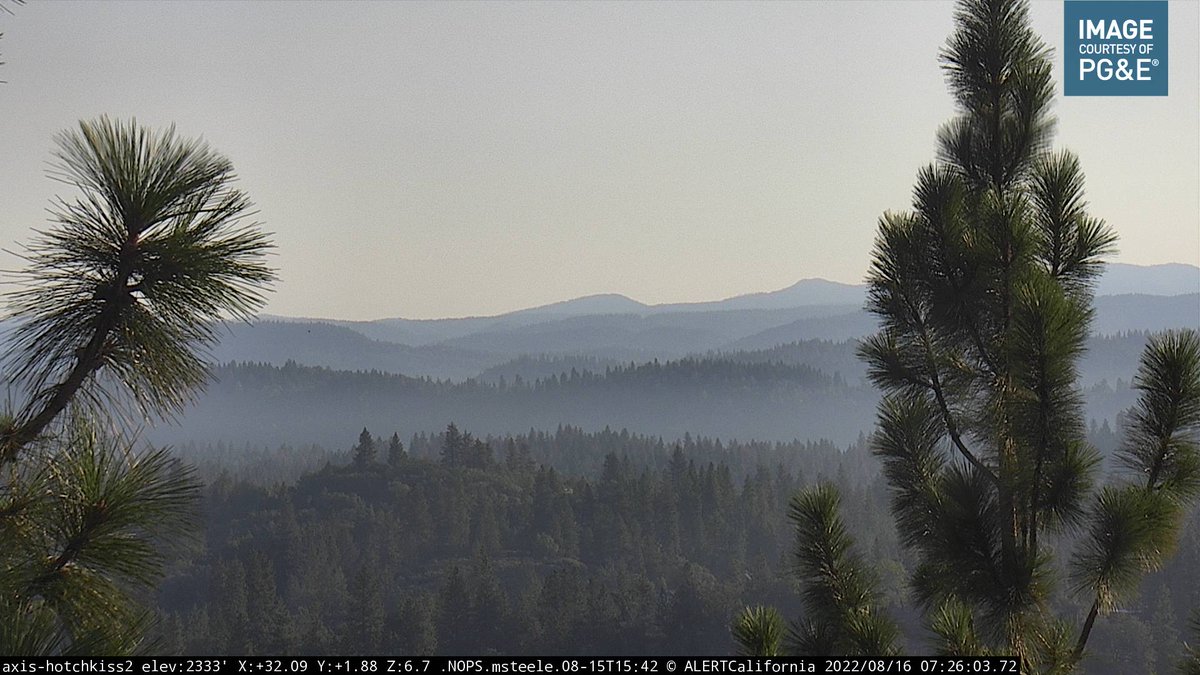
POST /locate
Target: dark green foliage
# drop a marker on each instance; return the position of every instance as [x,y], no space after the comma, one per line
[133,277]
[364,451]
[464,450]
[367,613]
[1126,539]
[1000,75]
[640,551]
[268,628]
[758,631]
[954,624]
[840,592]
[647,552]
[396,453]
[83,525]
[984,293]
[1161,436]
[984,296]
[121,295]
[1135,526]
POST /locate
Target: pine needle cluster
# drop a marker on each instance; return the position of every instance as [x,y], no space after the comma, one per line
[121,296]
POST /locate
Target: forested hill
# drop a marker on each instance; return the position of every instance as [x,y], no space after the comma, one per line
[1108,358]
[500,555]
[263,404]
[809,391]
[630,545]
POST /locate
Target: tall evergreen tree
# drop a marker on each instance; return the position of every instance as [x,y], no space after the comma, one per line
[396,454]
[983,291]
[455,606]
[121,295]
[365,452]
[269,628]
[366,608]
[453,445]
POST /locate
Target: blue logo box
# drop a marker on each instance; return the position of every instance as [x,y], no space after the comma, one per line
[1115,47]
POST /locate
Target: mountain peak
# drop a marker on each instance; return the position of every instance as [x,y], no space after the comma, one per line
[600,303]
[813,291]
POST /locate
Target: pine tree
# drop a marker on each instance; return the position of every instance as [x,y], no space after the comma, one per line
[418,626]
[984,291]
[121,295]
[489,607]
[517,458]
[840,591]
[476,454]
[269,628]
[364,451]
[453,445]
[396,454]
[231,602]
[454,613]
[366,608]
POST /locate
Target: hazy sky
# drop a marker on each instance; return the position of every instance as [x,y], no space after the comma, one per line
[430,160]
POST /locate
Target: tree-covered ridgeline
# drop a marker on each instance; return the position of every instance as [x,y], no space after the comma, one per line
[796,391]
[119,298]
[264,404]
[984,295]
[458,545]
[619,544]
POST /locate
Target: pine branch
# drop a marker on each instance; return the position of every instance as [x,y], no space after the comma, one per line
[133,277]
[758,631]
[1134,527]
[839,591]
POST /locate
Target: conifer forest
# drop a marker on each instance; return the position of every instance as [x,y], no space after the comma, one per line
[988,443]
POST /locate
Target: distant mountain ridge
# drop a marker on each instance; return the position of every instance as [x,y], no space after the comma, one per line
[803,293]
[730,368]
[1118,279]
[1166,279]
[615,328]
